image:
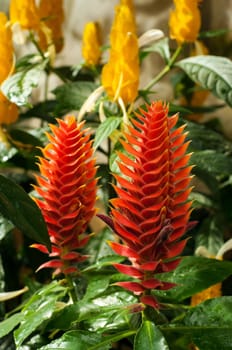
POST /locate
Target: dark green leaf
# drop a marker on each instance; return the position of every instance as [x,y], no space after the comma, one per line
[77,340]
[213,313]
[20,85]
[193,275]
[211,72]
[71,96]
[205,338]
[150,337]
[21,210]
[5,227]
[215,163]
[201,200]
[105,129]
[213,33]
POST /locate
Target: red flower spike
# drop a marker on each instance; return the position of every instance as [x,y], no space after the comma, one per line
[152,210]
[67,187]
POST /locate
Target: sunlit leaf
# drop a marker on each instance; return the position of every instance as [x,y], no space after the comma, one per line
[193,275]
[210,235]
[19,86]
[211,72]
[161,47]
[9,324]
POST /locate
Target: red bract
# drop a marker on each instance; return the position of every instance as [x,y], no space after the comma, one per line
[67,187]
[151,213]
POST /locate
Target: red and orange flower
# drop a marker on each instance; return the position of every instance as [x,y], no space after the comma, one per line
[152,210]
[67,187]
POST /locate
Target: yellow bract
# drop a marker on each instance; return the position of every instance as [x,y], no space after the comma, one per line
[91,48]
[185,21]
[120,76]
[25,13]
[51,13]
[8,110]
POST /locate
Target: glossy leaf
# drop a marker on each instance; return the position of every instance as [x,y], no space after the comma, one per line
[193,275]
[21,210]
[71,96]
[9,324]
[78,340]
[19,86]
[211,72]
[212,313]
[38,309]
[150,337]
[105,129]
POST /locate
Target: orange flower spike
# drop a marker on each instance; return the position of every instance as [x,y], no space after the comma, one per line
[25,13]
[185,21]
[67,187]
[51,14]
[120,76]
[151,213]
[91,48]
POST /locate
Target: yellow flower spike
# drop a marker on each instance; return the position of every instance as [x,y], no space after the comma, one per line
[185,21]
[6,48]
[8,110]
[120,76]
[51,13]
[91,48]
[25,13]
[128,3]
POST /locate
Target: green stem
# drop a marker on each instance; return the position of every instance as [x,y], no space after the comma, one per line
[71,286]
[165,70]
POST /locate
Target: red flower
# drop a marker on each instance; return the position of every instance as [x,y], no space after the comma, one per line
[152,210]
[67,187]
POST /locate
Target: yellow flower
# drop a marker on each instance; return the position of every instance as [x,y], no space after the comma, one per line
[185,21]
[51,14]
[209,293]
[6,48]
[128,3]
[120,76]
[91,48]
[8,110]
[25,13]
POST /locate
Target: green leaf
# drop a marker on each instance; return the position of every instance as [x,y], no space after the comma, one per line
[19,86]
[211,72]
[97,284]
[213,312]
[213,162]
[161,47]
[105,129]
[9,324]
[78,340]
[209,324]
[38,309]
[5,227]
[150,337]
[71,96]
[193,275]
[21,210]
[210,235]
[203,138]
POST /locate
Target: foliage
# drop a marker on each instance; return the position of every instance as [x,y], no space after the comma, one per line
[85,307]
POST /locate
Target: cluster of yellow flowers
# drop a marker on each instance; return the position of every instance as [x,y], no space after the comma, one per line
[46,23]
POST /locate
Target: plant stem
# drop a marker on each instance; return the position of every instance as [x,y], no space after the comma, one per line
[166,69]
[71,286]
